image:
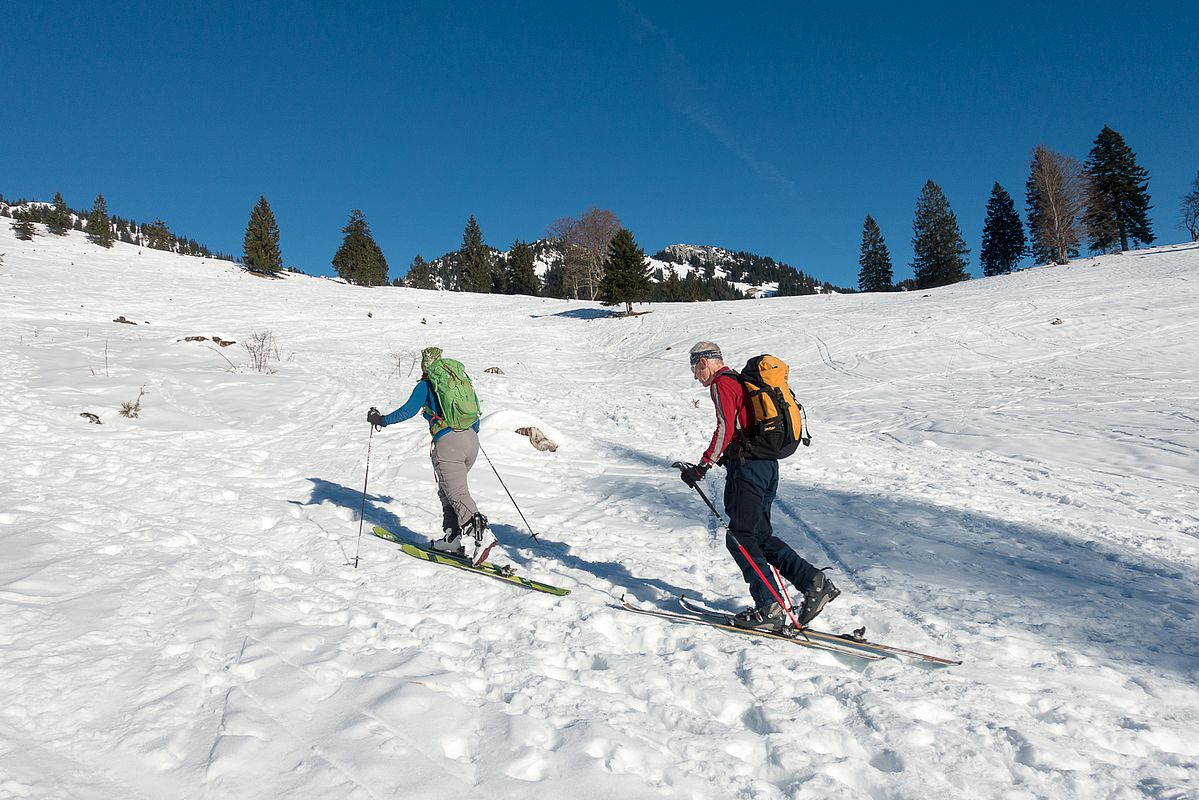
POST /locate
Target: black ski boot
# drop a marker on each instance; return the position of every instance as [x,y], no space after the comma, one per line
[449,520]
[771,618]
[451,543]
[820,593]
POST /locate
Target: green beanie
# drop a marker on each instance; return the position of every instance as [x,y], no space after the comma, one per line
[428,356]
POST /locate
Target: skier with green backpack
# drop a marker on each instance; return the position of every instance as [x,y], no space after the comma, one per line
[446,398]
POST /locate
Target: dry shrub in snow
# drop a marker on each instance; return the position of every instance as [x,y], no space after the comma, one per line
[133,410]
[263,348]
[405,360]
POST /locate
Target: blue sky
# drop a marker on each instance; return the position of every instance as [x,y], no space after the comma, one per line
[773,128]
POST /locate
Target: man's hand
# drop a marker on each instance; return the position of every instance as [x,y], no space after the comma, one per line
[375,418]
[693,474]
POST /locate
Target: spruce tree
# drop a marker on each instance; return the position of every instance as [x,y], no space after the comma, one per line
[22,227]
[937,245]
[419,276]
[475,260]
[99,228]
[58,222]
[1117,195]
[1003,234]
[499,275]
[522,278]
[875,274]
[626,273]
[359,260]
[1190,212]
[556,281]
[158,236]
[260,247]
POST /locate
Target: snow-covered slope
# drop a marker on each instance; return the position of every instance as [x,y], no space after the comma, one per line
[182,618]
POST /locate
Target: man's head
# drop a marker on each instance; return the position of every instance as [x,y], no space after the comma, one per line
[706,361]
[427,357]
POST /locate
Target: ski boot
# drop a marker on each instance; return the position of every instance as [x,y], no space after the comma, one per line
[771,618]
[820,593]
[477,539]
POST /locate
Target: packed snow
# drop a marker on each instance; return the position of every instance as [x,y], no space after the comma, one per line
[1002,471]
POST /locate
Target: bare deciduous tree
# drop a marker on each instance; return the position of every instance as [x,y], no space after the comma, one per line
[1190,212]
[562,233]
[594,232]
[1056,192]
[583,243]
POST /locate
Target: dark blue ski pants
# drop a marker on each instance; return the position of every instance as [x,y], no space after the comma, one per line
[749,492]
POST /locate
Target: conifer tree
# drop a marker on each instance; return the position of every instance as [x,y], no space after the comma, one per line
[556,281]
[499,275]
[99,228]
[22,227]
[1054,192]
[475,259]
[626,273]
[359,259]
[58,222]
[522,278]
[1190,212]
[875,274]
[1117,195]
[1003,234]
[260,247]
[419,276]
[158,236]
[937,245]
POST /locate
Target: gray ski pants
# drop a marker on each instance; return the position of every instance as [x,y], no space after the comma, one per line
[453,455]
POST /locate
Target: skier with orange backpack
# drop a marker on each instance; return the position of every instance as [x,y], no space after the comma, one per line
[758,422]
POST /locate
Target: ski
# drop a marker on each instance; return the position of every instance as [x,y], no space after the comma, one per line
[504,573]
[856,640]
[721,622]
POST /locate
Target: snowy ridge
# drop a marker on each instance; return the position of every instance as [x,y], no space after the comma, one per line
[681,259]
[181,617]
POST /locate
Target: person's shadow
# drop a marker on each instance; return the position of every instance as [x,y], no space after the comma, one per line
[521,548]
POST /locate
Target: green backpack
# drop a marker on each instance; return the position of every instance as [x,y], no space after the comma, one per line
[455,395]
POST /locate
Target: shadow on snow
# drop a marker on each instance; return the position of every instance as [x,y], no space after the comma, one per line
[970,570]
[520,548]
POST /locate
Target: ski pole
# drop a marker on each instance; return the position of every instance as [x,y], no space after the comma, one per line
[681,465]
[778,578]
[362,510]
[744,553]
[510,497]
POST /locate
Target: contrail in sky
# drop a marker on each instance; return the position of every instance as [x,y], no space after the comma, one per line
[689,97]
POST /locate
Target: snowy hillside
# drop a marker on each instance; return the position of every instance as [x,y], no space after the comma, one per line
[181,616]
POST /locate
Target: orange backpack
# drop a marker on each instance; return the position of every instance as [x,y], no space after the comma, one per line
[777,424]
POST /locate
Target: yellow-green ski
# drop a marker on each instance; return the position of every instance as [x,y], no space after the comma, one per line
[486,568]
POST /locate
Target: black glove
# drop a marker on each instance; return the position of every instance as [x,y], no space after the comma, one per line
[693,474]
[375,418]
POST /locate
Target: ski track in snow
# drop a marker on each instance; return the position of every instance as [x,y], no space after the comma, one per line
[182,616]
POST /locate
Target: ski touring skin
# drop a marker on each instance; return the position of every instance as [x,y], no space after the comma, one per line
[723,623]
[505,573]
[856,640]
